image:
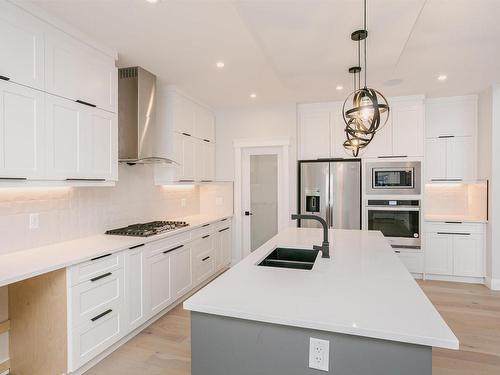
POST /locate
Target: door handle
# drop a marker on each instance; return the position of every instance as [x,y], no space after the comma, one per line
[248,213]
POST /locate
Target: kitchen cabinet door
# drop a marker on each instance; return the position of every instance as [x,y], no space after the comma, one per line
[451,116]
[183,114]
[78,72]
[66,138]
[314,135]
[408,129]
[186,155]
[439,254]
[21,131]
[22,41]
[225,244]
[182,275]
[460,158]
[205,161]
[204,124]
[158,283]
[381,145]
[203,258]
[337,131]
[135,299]
[468,253]
[435,158]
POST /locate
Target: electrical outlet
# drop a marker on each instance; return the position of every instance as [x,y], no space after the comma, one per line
[319,354]
[183,202]
[34,221]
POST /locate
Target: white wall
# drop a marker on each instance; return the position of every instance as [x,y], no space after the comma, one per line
[489,168]
[256,122]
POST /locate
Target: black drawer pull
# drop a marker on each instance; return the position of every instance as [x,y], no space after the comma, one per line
[14,178]
[85,103]
[454,233]
[4,78]
[446,179]
[222,230]
[204,259]
[392,156]
[136,246]
[446,136]
[206,140]
[101,315]
[453,222]
[172,249]
[186,134]
[101,277]
[186,180]
[206,236]
[205,225]
[102,256]
[206,181]
[397,251]
[85,179]
[224,219]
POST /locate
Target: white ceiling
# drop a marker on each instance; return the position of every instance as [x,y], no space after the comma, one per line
[296,50]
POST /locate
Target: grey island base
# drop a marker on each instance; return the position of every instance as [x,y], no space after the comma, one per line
[231,346]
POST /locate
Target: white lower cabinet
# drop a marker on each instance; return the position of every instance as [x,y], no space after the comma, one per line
[455,250]
[112,295]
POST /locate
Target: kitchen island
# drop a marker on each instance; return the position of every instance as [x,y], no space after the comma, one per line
[259,320]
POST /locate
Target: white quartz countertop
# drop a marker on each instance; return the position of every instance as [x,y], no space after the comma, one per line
[363,290]
[24,264]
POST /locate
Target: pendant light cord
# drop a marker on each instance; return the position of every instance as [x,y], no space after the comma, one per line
[359,64]
[364,41]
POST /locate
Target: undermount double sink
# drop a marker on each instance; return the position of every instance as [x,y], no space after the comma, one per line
[283,257]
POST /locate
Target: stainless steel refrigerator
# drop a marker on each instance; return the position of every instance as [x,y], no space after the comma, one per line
[331,189]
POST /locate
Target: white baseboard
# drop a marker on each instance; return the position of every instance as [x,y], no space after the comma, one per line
[493,284]
[138,330]
[457,279]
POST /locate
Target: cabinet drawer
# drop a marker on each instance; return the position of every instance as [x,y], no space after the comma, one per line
[166,244]
[89,298]
[95,267]
[222,224]
[202,231]
[92,338]
[414,262]
[204,265]
[454,227]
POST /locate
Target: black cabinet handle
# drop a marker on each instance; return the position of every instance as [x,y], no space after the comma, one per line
[392,156]
[454,233]
[397,251]
[206,140]
[136,246]
[4,78]
[186,180]
[453,222]
[206,181]
[85,103]
[204,259]
[101,315]
[14,178]
[224,219]
[205,225]
[101,277]
[85,179]
[172,249]
[186,134]
[205,236]
[446,136]
[446,179]
[102,256]
[222,230]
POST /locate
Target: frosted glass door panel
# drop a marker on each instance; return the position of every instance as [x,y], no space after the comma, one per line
[263,198]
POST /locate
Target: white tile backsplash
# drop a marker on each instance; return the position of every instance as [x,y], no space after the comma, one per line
[69,213]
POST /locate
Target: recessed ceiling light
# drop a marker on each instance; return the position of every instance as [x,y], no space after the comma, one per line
[253,95]
[219,64]
[442,77]
[339,87]
[152,1]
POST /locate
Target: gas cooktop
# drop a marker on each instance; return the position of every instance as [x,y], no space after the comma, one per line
[148,229]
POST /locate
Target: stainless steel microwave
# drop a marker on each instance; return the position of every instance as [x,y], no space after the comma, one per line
[393,178]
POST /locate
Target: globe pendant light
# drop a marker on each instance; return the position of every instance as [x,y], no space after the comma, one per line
[366,110]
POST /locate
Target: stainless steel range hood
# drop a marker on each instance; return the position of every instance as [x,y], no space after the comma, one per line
[137,127]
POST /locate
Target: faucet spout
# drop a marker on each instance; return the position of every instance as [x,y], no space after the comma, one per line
[325,247]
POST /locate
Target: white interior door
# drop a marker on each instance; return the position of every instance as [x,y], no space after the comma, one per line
[262,171]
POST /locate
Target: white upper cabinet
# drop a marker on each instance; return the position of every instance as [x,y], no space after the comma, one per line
[22,47]
[204,124]
[460,158]
[81,141]
[381,144]
[205,161]
[435,155]
[79,72]
[21,131]
[314,134]
[451,116]
[182,114]
[408,129]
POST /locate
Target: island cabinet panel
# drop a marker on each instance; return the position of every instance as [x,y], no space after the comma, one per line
[21,131]
[38,330]
[22,41]
[283,350]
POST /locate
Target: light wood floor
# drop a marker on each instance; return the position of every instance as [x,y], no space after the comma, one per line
[472,312]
